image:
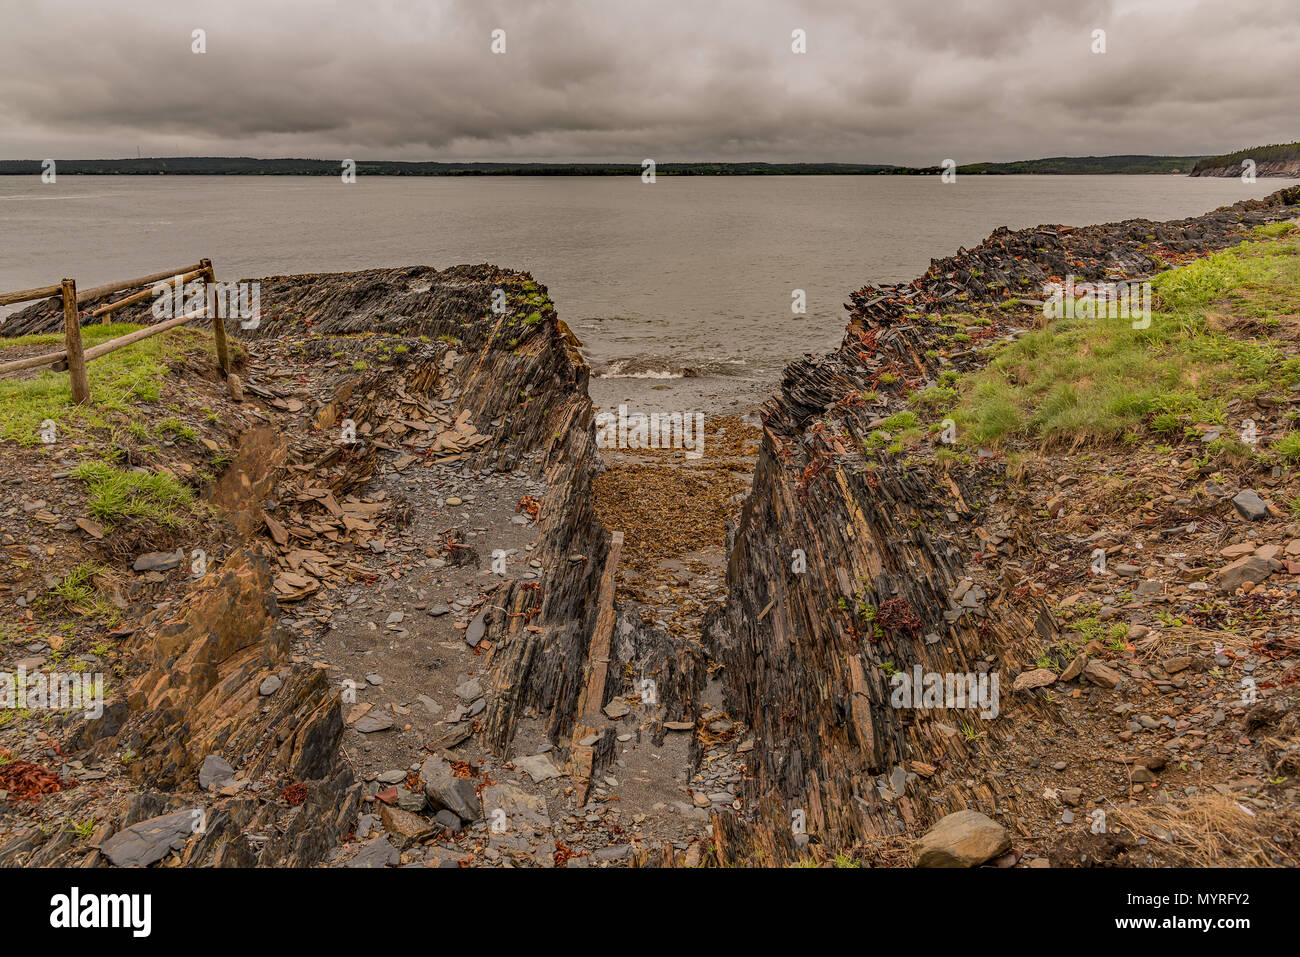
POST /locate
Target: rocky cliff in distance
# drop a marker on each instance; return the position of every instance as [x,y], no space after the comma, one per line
[1289,169]
[1278,159]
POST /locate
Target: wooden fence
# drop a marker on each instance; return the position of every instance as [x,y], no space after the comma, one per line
[73,357]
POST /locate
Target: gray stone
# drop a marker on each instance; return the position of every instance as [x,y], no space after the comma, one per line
[373,721]
[449,820]
[540,767]
[215,773]
[408,800]
[150,841]
[469,690]
[378,853]
[448,792]
[1249,505]
[474,633]
[270,685]
[159,561]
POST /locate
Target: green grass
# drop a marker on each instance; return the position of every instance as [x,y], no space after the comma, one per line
[1288,448]
[1081,379]
[117,495]
[75,588]
[173,426]
[118,381]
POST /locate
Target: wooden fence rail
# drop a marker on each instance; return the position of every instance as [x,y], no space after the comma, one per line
[73,357]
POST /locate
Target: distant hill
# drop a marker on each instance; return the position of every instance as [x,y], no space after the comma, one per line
[249,166]
[1280,159]
[1087,165]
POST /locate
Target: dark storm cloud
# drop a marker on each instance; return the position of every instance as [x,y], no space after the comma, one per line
[908,81]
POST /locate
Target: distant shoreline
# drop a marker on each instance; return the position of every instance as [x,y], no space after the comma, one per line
[246,166]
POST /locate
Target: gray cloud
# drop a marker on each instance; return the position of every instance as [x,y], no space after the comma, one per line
[906,81]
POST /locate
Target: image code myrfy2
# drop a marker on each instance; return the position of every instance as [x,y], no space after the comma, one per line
[750,437]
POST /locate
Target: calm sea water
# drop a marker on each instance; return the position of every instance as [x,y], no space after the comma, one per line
[656,279]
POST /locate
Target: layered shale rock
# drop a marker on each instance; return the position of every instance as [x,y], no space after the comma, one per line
[519,375]
[845,572]
[211,684]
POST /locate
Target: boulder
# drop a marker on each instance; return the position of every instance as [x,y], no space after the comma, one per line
[964,839]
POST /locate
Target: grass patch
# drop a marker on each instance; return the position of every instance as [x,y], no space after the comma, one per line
[1082,379]
[118,382]
[177,428]
[117,495]
[75,588]
[77,591]
[1288,448]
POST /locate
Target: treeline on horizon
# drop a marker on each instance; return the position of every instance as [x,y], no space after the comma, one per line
[248,166]
[1260,154]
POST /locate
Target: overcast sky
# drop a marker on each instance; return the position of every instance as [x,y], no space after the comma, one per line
[891,81]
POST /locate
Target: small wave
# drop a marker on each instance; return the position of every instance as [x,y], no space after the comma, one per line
[642,375]
[659,367]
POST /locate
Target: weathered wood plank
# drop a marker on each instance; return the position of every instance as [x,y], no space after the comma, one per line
[72,336]
[23,295]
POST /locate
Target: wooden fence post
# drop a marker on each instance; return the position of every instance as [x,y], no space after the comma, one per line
[218,323]
[76,361]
